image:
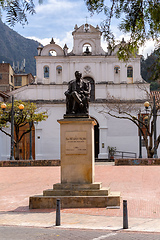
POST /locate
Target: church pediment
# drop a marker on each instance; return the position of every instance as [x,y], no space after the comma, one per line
[86,28]
[87,40]
[93,29]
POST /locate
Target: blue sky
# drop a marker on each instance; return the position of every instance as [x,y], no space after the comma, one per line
[57,18]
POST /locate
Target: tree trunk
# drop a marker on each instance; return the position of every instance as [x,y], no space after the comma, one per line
[149,146]
[150,152]
[17,151]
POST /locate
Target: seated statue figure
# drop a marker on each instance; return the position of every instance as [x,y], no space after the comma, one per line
[77,95]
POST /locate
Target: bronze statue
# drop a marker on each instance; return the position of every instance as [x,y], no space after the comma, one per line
[77,96]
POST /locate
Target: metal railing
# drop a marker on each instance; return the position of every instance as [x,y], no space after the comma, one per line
[123,154]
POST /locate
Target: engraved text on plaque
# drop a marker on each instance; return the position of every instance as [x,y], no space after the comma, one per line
[76,143]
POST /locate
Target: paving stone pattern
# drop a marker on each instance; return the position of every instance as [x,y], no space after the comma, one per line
[139,185]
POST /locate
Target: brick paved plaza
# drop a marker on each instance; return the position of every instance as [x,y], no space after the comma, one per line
[139,185]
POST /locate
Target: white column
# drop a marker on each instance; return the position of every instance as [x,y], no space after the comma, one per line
[52,73]
[97,72]
[110,72]
[38,143]
[103,154]
[72,71]
[40,72]
[65,72]
[106,75]
[123,73]
[136,72]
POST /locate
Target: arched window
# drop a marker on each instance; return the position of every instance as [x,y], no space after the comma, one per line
[129,72]
[46,72]
[96,139]
[59,69]
[116,74]
[52,53]
[87,49]
[116,69]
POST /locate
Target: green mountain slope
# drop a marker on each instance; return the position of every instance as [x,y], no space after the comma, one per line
[15,48]
[150,69]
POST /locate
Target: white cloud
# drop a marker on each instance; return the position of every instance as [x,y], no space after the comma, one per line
[104,45]
[43,41]
[148,48]
[55,6]
[61,42]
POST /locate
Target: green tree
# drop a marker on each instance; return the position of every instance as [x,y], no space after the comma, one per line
[155,66]
[17,10]
[150,68]
[21,118]
[154,86]
[139,18]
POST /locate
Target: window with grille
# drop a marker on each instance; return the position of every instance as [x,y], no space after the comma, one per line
[59,69]
[87,49]
[46,72]
[129,72]
[18,81]
[116,69]
[52,53]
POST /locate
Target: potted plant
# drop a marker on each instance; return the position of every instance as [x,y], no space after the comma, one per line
[111,152]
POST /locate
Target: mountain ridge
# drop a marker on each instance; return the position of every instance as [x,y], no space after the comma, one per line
[15,48]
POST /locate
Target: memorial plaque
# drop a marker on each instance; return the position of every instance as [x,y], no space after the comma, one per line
[76,143]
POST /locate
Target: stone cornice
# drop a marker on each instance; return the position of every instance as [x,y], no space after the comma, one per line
[97,101]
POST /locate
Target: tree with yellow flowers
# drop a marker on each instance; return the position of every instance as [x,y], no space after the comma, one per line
[24,113]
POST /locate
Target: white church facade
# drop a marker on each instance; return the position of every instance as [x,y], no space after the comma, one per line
[108,77]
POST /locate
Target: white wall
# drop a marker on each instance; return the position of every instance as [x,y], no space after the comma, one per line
[118,133]
[101,68]
[47,133]
[56,92]
[5,143]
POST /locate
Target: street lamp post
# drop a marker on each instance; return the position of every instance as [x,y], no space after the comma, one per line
[3,106]
[12,130]
[155,128]
[146,104]
[30,138]
[140,137]
[21,107]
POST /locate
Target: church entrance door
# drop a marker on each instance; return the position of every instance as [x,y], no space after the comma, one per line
[24,145]
[96,138]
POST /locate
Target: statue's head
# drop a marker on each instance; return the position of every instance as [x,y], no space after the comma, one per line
[78,75]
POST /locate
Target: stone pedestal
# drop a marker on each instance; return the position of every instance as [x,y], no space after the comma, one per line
[77,187]
[77,150]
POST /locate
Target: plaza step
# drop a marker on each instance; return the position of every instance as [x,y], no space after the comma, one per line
[76,186]
[80,192]
[76,195]
[41,202]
